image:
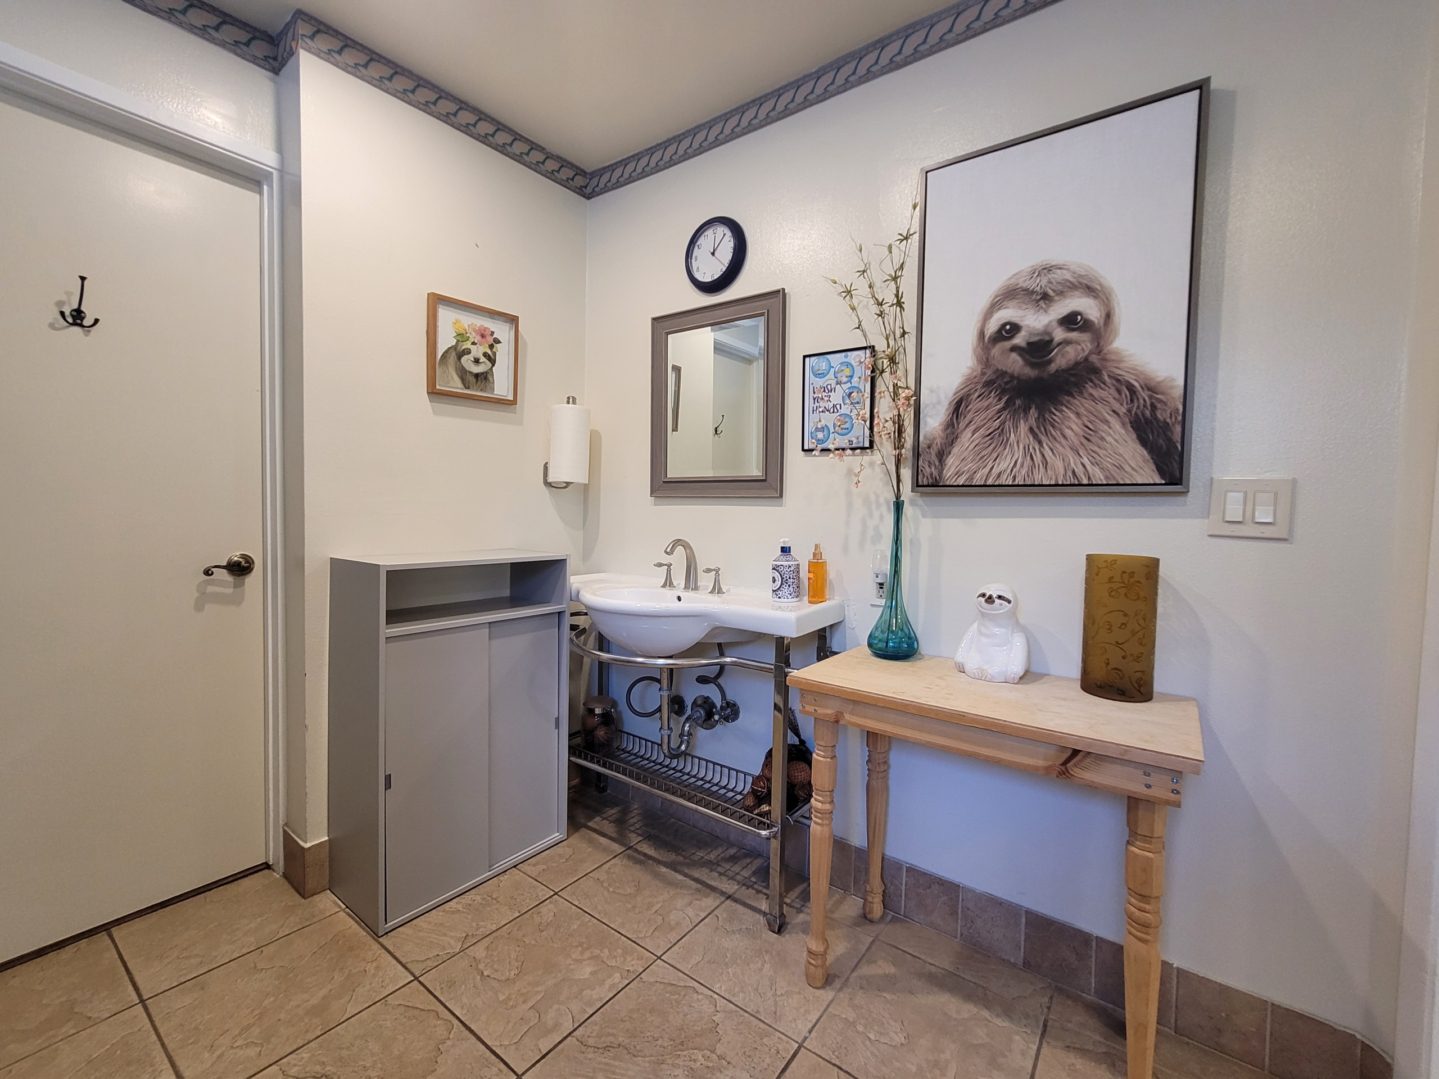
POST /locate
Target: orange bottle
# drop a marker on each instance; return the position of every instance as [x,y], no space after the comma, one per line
[818,576]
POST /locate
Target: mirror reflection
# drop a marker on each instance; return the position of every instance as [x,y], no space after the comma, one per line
[715,399]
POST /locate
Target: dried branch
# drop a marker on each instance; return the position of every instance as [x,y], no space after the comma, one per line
[875,297]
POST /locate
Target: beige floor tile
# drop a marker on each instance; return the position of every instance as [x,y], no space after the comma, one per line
[701,857]
[734,953]
[121,1047]
[1080,1053]
[644,899]
[666,1024]
[176,943]
[1029,993]
[1084,1039]
[624,822]
[52,997]
[1094,1020]
[405,1036]
[806,1065]
[755,895]
[254,1010]
[568,861]
[898,1015]
[527,985]
[432,938]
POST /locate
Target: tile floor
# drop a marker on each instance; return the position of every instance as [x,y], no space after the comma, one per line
[635,948]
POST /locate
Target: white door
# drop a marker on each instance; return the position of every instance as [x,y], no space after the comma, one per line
[132,749]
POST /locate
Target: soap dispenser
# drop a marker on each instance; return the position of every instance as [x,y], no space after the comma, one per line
[784,575]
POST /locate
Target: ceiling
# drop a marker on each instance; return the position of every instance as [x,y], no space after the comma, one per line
[596,80]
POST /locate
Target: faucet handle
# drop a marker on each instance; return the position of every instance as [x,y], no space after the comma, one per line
[668,567]
[716,589]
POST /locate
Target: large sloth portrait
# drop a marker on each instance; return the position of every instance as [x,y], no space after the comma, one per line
[1049,400]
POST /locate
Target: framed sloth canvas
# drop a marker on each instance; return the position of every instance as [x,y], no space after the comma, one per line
[1058,278]
[472,351]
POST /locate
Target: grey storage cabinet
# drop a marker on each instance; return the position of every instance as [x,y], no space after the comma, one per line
[447,748]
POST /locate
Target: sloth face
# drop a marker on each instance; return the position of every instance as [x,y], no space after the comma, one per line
[1033,340]
[473,359]
[993,598]
[1045,318]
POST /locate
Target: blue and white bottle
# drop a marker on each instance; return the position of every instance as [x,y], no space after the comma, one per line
[784,575]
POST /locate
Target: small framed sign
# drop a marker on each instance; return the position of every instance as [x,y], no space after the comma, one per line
[838,401]
[473,351]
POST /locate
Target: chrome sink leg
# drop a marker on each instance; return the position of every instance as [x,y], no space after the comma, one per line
[779,788]
[822,650]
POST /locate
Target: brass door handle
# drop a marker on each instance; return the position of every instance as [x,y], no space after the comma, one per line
[237,565]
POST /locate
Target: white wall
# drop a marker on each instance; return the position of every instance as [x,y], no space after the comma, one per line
[1416,1050]
[1287,859]
[162,64]
[395,205]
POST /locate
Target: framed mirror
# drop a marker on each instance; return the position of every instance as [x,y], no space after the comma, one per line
[717,400]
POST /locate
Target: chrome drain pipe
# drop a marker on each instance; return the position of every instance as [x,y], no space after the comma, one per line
[671,747]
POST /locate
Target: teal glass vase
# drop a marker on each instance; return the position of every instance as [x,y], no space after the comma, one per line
[893,637]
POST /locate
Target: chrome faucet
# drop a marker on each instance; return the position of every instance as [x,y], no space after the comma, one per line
[692,579]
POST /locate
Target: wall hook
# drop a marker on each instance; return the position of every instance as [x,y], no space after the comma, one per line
[76,315]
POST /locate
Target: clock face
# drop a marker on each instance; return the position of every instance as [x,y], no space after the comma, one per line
[715,254]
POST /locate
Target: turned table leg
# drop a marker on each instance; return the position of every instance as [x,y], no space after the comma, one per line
[821,849]
[876,795]
[1144,879]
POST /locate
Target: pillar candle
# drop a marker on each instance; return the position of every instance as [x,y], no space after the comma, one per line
[1121,601]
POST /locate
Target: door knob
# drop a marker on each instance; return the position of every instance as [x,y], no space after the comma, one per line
[237,565]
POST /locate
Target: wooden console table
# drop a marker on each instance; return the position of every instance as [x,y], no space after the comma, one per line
[1044,724]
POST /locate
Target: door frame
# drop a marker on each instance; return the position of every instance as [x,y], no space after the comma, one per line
[39,80]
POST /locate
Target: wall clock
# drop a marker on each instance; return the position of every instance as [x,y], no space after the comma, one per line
[715,254]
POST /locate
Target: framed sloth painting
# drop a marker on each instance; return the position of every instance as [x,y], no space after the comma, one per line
[472,351]
[1058,278]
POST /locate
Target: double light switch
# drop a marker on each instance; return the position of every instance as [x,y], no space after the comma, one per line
[1259,508]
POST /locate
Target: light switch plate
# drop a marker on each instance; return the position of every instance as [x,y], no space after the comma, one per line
[1281,489]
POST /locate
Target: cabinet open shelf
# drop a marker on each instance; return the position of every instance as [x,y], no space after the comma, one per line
[455,591]
[464,613]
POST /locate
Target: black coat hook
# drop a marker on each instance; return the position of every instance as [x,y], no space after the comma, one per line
[76,315]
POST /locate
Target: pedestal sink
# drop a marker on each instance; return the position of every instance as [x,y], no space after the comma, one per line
[650,621]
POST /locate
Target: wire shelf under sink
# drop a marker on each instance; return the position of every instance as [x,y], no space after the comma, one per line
[714,789]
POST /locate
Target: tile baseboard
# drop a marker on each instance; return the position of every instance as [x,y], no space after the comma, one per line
[307,866]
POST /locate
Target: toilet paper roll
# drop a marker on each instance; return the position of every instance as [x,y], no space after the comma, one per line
[569,444]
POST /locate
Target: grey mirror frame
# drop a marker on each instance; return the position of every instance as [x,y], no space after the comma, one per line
[769,484]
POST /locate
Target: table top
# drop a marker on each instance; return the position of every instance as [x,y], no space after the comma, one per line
[1164,732]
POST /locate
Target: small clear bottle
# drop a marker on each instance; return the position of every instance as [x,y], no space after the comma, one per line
[784,575]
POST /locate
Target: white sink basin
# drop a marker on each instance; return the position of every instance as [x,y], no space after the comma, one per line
[651,621]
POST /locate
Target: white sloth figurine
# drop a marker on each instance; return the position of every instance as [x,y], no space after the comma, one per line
[995,648]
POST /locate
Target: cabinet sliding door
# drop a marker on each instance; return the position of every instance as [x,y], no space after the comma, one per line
[437,755]
[524,735]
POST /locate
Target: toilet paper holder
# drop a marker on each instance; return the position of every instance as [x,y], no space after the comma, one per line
[560,486]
